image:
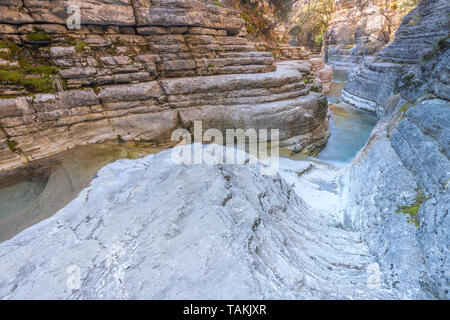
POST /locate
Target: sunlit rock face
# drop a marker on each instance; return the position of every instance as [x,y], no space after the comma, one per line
[415,63]
[222,231]
[358,29]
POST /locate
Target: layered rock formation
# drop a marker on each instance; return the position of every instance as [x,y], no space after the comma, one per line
[407,65]
[398,184]
[138,70]
[359,29]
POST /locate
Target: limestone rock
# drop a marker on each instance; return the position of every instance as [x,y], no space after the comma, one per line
[50,123]
[222,232]
[140,69]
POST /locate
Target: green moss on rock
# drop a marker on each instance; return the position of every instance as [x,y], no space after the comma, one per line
[12,145]
[412,210]
[32,73]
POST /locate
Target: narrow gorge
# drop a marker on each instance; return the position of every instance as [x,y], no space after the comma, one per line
[359,93]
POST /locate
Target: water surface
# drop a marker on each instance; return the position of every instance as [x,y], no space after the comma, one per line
[39,191]
[350,127]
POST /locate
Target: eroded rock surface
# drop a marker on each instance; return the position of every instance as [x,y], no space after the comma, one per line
[138,70]
[398,184]
[220,232]
[359,29]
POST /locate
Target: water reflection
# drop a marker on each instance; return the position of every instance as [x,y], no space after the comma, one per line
[350,128]
[39,191]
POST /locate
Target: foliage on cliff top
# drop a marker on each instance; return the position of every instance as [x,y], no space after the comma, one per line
[256,23]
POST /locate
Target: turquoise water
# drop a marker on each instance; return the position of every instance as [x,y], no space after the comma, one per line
[350,127]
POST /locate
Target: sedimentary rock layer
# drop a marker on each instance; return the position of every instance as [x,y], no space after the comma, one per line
[359,29]
[406,65]
[138,70]
[398,184]
[45,124]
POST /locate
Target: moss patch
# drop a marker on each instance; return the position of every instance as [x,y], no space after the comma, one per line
[413,209]
[315,89]
[12,145]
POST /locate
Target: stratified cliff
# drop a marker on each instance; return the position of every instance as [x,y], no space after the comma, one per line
[359,29]
[398,184]
[138,70]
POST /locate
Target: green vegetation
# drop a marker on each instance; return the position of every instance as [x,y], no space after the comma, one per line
[409,76]
[323,102]
[34,74]
[413,209]
[312,21]
[12,145]
[349,46]
[441,42]
[120,139]
[405,107]
[318,39]
[404,6]
[255,22]
[439,45]
[218,3]
[315,88]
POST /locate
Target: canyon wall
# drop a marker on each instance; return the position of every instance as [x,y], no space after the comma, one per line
[358,29]
[398,184]
[137,70]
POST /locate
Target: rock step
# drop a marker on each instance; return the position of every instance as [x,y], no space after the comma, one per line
[44,124]
[125,14]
